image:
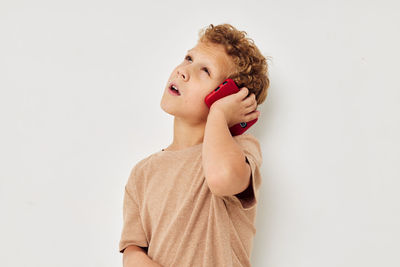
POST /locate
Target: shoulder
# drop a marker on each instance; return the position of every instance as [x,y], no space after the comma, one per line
[143,163]
[246,137]
[139,169]
[248,140]
[250,145]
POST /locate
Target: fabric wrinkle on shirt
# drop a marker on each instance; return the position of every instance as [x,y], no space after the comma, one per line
[169,210]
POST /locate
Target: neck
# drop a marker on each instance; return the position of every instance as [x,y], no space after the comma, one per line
[186,134]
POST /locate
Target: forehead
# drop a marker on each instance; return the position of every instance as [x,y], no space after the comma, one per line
[213,55]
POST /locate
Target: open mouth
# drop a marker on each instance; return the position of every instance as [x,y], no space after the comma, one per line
[174,90]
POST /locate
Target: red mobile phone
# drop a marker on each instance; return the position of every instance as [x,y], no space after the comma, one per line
[226,88]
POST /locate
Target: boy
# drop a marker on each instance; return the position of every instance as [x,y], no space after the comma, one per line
[194,202]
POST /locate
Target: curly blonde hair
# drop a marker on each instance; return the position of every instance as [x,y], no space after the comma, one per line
[251,65]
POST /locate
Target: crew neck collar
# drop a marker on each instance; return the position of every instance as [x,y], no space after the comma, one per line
[190,148]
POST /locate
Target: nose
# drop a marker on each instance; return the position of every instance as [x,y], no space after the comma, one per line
[183,73]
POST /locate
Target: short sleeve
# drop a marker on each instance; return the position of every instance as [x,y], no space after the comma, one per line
[132,230]
[252,151]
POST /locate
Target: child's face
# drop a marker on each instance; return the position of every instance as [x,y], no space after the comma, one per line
[204,67]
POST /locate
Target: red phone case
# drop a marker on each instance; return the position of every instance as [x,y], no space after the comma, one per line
[226,88]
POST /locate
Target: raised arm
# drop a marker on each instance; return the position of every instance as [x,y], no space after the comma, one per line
[224,162]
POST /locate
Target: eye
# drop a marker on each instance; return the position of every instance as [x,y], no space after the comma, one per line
[190,58]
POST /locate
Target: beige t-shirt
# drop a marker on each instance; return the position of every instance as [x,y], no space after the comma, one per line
[169,210]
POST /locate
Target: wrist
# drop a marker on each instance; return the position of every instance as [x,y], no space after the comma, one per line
[216,112]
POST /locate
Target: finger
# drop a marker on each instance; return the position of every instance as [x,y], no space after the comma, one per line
[252,115]
[249,101]
[244,92]
[251,108]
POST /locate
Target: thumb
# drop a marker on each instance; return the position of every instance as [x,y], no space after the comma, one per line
[244,91]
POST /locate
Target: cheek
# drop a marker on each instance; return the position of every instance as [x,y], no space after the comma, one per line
[196,103]
[194,100]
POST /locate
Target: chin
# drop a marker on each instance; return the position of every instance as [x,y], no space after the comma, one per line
[168,111]
[168,108]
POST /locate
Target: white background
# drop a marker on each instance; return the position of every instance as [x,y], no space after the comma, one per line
[81,83]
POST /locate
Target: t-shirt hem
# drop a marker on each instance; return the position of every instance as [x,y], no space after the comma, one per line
[124,246]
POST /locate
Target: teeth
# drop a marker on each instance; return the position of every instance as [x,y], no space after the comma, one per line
[173,87]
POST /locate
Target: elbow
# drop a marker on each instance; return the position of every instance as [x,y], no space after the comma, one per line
[229,182]
[217,182]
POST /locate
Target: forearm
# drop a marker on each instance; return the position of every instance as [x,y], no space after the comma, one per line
[221,155]
[136,256]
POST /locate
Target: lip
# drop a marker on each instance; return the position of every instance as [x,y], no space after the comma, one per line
[172,91]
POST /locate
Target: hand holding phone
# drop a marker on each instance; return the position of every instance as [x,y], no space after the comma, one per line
[226,88]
